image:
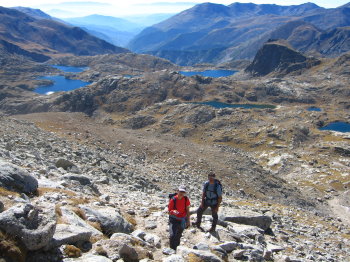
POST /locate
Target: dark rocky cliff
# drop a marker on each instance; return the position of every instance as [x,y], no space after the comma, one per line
[278,57]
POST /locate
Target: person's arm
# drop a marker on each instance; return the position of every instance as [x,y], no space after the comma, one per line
[188,213]
[219,192]
[203,197]
[171,209]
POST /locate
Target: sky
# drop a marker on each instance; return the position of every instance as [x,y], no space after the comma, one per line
[78,8]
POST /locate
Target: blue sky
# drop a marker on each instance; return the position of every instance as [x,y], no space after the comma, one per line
[66,8]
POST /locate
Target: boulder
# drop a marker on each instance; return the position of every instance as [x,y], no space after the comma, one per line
[174,258]
[139,233]
[247,218]
[83,180]
[191,254]
[17,179]
[168,251]
[245,230]
[153,240]
[69,235]
[124,246]
[229,246]
[110,220]
[35,227]
[65,164]
[134,253]
[73,219]
[88,258]
[201,246]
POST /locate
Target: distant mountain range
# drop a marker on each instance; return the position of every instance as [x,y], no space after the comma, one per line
[118,31]
[40,37]
[217,33]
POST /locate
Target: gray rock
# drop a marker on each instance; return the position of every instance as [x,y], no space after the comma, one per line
[201,246]
[17,179]
[88,258]
[75,220]
[153,240]
[168,251]
[35,227]
[65,164]
[110,220]
[116,243]
[139,233]
[245,230]
[83,180]
[174,258]
[2,207]
[133,253]
[238,254]
[274,248]
[188,253]
[69,235]
[229,246]
[150,225]
[247,218]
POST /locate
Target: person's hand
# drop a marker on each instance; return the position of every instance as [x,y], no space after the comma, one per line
[174,212]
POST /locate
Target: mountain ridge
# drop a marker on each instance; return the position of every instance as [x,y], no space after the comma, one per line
[49,37]
[225,32]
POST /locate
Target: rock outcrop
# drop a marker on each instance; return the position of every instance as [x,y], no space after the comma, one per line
[275,57]
[17,179]
[34,226]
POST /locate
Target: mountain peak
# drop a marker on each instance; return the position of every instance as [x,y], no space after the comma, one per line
[36,13]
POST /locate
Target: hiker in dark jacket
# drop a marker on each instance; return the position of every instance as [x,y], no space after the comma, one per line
[179,216]
[211,197]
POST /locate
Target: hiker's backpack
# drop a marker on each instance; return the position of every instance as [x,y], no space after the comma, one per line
[217,184]
[172,196]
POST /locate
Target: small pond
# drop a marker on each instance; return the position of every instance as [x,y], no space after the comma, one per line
[225,105]
[210,73]
[61,83]
[315,109]
[337,126]
[70,69]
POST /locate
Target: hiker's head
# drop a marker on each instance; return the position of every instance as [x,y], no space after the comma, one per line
[211,176]
[182,190]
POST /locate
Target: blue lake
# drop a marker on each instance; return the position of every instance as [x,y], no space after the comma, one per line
[337,126]
[315,109]
[70,69]
[60,84]
[210,73]
[225,105]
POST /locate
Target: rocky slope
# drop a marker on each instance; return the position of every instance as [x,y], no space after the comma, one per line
[238,31]
[93,200]
[40,39]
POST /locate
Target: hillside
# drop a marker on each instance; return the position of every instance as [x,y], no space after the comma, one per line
[216,33]
[41,38]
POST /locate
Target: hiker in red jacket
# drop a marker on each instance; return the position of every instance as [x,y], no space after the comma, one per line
[179,216]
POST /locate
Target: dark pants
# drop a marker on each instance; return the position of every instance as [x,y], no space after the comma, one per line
[175,230]
[200,212]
